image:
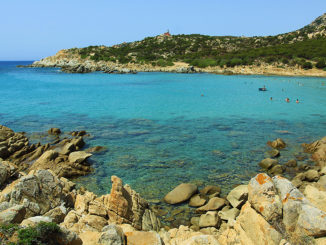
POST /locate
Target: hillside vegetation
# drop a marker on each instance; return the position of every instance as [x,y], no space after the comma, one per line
[305,47]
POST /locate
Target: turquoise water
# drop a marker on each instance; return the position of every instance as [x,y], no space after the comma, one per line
[159,130]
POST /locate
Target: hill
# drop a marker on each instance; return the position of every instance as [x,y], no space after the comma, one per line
[304,48]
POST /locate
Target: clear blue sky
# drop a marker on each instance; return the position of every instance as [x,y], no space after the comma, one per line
[32,29]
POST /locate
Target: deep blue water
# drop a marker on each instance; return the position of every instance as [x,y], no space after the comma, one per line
[157,127]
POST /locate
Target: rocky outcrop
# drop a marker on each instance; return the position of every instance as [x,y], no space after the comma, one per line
[318,151]
[39,192]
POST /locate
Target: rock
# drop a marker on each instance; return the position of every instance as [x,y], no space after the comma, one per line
[112,235]
[78,142]
[124,205]
[39,191]
[12,215]
[6,171]
[215,203]
[258,230]
[90,237]
[68,148]
[197,201]
[274,153]
[57,214]
[229,214]
[60,164]
[78,133]
[263,197]
[4,152]
[201,240]
[82,202]
[33,221]
[238,196]
[210,219]
[54,131]
[150,221]
[181,193]
[195,221]
[278,143]
[322,171]
[311,175]
[322,181]
[291,163]
[68,237]
[97,208]
[268,163]
[93,222]
[318,150]
[143,238]
[211,191]
[276,170]
[316,197]
[78,156]
[96,149]
[300,217]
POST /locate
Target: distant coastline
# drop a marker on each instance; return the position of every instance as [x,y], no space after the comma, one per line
[87,66]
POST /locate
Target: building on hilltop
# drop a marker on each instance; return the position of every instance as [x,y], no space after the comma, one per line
[167,34]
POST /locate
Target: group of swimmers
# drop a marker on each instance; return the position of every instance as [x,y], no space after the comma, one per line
[288,100]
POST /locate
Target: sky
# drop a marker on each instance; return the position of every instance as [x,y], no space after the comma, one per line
[34,29]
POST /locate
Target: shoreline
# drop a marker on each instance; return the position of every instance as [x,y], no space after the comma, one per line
[215,216]
[77,65]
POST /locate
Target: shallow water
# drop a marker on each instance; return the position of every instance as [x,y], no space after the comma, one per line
[159,130]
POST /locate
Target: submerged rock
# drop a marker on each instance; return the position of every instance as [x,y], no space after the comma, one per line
[278,143]
[181,193]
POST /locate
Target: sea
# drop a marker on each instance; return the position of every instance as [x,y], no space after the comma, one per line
[163,129]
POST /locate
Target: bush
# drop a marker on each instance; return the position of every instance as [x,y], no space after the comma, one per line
[321,64]
[42,233]
[307,65]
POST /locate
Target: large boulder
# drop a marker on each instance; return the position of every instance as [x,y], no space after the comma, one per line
[181,193]
[124,205]
[300,217]
[39,192]
[263,197]
[256,228]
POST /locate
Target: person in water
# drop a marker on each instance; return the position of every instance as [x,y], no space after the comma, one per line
[287,100]
[297,101]
[271,98]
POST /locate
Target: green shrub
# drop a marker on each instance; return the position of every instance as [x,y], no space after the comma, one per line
[307,65]
[42,233]
[321,64]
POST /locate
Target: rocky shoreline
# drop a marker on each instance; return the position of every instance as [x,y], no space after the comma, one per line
[74,64]
[36,187]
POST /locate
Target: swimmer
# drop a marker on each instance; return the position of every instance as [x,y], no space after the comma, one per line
[202,95]
[271,98]
[297,101]
[287,100]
